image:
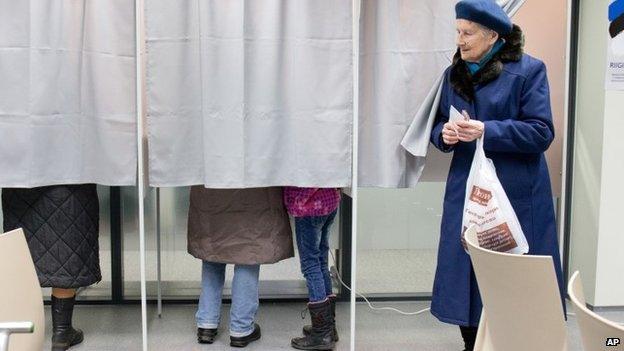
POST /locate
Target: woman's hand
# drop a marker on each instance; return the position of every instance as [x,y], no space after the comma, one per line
[469,130]
[449,133]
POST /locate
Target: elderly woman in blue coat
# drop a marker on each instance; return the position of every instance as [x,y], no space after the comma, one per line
[504,96]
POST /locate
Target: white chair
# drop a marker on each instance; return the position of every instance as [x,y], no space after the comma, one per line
[596,331]
[522,307]
[21,302]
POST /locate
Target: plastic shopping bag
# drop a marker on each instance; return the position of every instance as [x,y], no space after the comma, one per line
[487,207]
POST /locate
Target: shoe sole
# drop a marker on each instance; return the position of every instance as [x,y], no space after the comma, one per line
[74,342]
[245,343]
[77,341]
[315,348]
[205,341]
[335,337]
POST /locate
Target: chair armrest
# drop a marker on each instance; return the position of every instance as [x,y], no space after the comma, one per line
[17,327]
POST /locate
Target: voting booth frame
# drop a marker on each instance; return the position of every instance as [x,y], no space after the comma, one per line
[347,253]
[118,294]
[349,204]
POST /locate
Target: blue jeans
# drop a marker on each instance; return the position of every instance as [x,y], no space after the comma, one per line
[313,245]
[244,298]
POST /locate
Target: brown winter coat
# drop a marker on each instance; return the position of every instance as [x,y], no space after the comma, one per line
[239,226]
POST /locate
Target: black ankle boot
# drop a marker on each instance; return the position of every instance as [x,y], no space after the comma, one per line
[321,335]
[469,334]
[307,329]
[63,334]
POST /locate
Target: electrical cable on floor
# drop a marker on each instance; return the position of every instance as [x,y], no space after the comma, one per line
[336,274]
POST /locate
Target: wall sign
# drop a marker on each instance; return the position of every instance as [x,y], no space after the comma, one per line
[615,50]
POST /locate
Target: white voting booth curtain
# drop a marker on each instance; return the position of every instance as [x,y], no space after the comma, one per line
[249,93]
[67,92]
[405,46]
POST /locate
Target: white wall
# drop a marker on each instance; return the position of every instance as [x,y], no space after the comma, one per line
[610,260]
[587,161]
[597,238]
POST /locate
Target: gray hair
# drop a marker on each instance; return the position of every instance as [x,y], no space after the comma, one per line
[485,30]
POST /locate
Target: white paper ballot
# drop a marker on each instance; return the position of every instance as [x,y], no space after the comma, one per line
[455,115]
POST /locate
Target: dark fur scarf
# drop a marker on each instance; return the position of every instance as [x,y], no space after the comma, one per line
[461,80]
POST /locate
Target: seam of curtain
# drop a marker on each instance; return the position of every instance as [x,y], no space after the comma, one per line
[244,107]
[146,126]
[28,153]
[201,89]
[81,67]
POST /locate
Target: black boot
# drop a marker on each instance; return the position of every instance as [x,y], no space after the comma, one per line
[307,329]
[321,335]
[469,334]
[206,336]
[63,334]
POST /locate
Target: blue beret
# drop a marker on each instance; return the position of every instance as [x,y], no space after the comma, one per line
[485,12]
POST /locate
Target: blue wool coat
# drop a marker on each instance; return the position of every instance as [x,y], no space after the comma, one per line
[511,97]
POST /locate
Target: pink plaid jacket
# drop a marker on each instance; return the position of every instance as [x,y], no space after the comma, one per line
[306,202]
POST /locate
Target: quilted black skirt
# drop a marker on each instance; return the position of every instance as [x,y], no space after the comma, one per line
[61,224]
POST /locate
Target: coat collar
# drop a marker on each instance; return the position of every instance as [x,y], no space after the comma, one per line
[461,80]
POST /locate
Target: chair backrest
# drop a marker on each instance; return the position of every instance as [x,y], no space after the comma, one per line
[20,296]
[597,333]
[521,300]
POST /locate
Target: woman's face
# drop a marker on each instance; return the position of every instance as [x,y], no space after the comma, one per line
[473,40]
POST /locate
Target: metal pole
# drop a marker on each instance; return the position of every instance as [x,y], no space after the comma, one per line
[139,42]
[158,253]
[117,290]
[4,341]
[573,52]
[357,6]
[346,234]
